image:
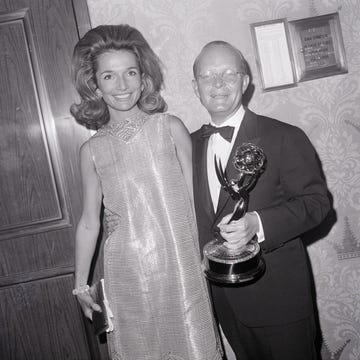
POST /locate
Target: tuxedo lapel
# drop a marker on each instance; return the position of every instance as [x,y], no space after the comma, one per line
[248,132]
[201,184]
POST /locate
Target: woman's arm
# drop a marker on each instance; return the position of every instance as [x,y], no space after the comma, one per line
[183,146]
[87,230]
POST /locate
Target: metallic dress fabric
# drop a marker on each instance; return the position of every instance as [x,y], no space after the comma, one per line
[153,278]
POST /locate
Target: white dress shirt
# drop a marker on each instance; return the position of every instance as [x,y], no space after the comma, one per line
[220,147]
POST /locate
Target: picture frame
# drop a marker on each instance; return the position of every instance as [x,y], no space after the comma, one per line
[317,47]
[273,54]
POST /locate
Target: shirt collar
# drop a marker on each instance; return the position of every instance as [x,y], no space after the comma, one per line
[235,120]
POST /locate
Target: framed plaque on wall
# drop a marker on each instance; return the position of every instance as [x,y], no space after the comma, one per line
[273,54]
[317,47]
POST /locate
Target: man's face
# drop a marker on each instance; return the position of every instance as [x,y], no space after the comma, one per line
[219,84]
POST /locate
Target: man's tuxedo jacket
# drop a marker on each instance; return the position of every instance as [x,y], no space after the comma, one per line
[290,197]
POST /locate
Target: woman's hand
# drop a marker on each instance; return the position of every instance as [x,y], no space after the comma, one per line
[87,304]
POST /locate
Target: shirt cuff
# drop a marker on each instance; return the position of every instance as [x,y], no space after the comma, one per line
[260,234]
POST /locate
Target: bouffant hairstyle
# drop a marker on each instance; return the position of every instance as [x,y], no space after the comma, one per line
[92,111]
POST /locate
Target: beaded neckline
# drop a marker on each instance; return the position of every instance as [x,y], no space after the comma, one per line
[128,128]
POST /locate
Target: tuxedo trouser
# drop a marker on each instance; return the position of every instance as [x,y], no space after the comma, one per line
[292,341]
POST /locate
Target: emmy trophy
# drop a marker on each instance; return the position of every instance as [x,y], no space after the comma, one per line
[221,262]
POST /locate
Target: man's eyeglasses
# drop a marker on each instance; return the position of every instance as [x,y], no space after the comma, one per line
[227,76]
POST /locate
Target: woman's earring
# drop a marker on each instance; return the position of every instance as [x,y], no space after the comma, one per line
[143,81]
[98,92]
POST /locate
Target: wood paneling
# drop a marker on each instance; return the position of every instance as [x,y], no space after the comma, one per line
[38,252]
[28,189]
[30,311]
[55,45]
[40,188]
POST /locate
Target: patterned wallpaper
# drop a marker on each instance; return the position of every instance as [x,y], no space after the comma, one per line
[327,109]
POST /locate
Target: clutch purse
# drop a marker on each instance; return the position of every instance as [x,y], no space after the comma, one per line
[102,321]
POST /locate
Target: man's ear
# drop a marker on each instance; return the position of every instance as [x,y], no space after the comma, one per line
[245,83]
[196,88]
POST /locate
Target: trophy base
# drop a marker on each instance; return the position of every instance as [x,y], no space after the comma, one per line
[228,266]
[237,278]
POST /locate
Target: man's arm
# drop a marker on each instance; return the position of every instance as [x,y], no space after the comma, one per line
[305,201]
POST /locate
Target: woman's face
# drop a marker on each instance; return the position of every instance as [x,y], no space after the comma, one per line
[119,80]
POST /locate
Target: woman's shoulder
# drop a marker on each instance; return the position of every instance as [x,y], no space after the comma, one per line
[166,117]
[88,144]
[95,140]
[163,116]
[168,121]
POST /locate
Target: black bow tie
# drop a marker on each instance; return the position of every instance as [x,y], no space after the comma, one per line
[225,131]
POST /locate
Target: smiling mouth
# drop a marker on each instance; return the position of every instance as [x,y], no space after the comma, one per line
[219,96]
[122,97]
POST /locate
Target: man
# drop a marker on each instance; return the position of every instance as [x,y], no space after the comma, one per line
[273,317]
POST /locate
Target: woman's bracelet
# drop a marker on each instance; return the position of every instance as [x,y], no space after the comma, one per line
[81,290]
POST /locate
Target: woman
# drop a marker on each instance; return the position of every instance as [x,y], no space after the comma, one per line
[139,165]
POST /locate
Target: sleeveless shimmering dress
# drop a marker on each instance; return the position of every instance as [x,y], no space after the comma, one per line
[153,279]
